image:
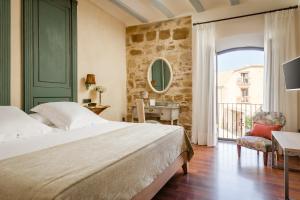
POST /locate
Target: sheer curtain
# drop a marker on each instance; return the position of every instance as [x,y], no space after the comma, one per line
[204,85]
[280,46]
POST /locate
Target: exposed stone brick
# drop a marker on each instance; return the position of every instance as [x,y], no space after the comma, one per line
[160,48]
[164,34]
[171,47]
[168,98]
[151,35]
[180,33]
[179,54]
[184,46]
[135,52]
[137,37]
[131,29]
[178,98]
[140,85]
[130,83]
[187,83]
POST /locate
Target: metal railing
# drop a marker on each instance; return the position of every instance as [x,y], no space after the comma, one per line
[235,119]
[243,82]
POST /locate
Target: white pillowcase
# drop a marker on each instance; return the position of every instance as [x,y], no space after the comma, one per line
[68,115]
[41,119]
[14,123]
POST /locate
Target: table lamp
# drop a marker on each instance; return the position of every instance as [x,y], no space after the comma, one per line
[90,80]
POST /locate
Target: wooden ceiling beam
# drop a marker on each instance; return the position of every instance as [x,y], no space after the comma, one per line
[162,8]
[197,5]
[234,2]
[130,11]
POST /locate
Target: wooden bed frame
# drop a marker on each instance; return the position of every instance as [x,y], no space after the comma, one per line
[150,191]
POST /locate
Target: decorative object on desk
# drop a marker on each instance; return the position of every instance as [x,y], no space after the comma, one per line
[88,102]
[160,75]
[85,101]
[90,80]
[92,104]
[152,102]
[100,89]
[291,71]
[144,94]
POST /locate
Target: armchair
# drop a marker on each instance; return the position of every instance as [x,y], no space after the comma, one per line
[261,143]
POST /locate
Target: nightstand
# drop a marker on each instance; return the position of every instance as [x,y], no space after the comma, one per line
[98,109]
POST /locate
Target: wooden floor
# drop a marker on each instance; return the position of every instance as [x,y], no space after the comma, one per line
[216,173]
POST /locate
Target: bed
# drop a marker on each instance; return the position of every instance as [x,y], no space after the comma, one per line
[111,160]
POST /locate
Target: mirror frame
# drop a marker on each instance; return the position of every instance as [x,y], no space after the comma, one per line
[149,73]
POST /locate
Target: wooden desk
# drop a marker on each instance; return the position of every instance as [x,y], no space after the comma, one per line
[290,143]
[163,113]
[97,109]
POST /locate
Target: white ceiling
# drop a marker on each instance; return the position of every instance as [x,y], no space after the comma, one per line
[148,11]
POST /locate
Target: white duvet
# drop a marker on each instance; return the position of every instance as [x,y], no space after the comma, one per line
[56,137]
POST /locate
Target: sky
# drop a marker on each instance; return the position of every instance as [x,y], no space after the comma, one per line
[236,59]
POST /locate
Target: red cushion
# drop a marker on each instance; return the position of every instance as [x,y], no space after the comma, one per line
[263,130]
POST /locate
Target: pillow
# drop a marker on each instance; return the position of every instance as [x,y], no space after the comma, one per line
[14,123]
[68,115]
[41,119]
[264,130]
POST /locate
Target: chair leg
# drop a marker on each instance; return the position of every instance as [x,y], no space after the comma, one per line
[239,150]
[266,158]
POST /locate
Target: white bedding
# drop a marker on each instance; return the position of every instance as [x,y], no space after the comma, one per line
[114,165]
[26,145]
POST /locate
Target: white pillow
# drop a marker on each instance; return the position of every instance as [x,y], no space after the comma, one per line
[68,115]
[42,119]
[14,123]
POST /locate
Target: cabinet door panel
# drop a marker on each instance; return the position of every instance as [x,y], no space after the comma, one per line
[49,51]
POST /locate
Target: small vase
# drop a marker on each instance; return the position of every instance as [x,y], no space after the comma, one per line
[100,98]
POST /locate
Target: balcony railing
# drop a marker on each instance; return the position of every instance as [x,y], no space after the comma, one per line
[243,99]
[235,119]
[243,83]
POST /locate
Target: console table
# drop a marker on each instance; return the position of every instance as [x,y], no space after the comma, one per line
[290,143]
[163,113]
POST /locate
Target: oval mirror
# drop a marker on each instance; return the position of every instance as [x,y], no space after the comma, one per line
[160,75]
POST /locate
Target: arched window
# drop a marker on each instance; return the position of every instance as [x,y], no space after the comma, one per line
[240,73]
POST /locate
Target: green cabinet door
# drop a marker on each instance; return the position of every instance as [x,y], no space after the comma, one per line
[4,52]
[49,51]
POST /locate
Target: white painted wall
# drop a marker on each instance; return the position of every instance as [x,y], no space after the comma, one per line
[16,61]
[101,50]
[242,32]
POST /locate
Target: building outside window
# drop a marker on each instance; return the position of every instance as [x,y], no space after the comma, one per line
[240,90]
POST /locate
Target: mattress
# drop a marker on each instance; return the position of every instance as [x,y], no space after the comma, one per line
[115,162]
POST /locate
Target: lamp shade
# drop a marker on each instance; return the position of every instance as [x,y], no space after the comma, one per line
[90,79]
[291,71]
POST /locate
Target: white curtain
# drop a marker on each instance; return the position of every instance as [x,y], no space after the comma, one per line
[280,47]
[204,85]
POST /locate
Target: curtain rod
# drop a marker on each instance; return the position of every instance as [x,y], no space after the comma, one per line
[248,15]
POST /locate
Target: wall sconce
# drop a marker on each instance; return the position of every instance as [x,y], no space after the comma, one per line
[90,80]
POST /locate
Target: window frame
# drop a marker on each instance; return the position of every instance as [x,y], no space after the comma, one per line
[239,49]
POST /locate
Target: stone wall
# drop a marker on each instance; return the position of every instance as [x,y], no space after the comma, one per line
[172,40]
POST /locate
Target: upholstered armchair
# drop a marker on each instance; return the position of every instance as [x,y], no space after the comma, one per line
[259,138]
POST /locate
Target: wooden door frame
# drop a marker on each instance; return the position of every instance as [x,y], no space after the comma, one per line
[5,52]
[28,49]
